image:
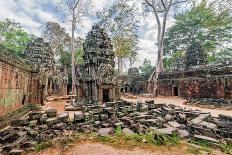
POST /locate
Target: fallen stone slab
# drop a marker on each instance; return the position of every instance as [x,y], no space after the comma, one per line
[166,131]
[209,139]
[35,115]
[51,121]
[183,133]
[19,122]
[32,123]
[16,152]
[79,117]
[51,112]
[127,131]
[174,124]
[63,117]
[105,131]
[72,108]
[200,118]
[208,125]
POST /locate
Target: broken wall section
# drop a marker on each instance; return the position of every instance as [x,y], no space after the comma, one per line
[15,78]
[198,83]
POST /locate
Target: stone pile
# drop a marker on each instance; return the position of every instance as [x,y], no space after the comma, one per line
[221,102]
[25,133]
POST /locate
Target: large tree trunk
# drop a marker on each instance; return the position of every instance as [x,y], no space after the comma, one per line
[73,61]
[153,80]
[120,69]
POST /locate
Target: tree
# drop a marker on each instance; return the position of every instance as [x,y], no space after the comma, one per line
[57,37]
[163,7]
[60,41]
[13,37]
[120,22]
[77,10]
[202,30]
[146,68]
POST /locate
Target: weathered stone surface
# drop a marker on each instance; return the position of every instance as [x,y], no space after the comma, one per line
[200,118]
[51,112]
[16,152]
[209,139]
[183,133]
[35,115]
[103,117]
[174,124]
[127,131]
[166,131]
[51,121]
[105,131]
[33,123]
[63,117]
[79,117]
[19,122]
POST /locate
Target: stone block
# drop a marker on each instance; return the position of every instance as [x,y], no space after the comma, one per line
[19,122]
[51,121]
[43,119]
[205,138]
[88,116]
[16,152]
[79,117]
[51,112]
[35,115]
[63,117]
[174,124]
[127,131]
[200,118]
[96,117]
[103,117]
[166,131]
[105,131]
[32,123]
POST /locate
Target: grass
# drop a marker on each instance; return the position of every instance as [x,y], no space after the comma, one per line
[150,141]
[42,146]
[207,146]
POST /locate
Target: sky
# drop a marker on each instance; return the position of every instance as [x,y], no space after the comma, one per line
[32,14]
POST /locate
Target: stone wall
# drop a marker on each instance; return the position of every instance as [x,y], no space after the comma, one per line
[14,83]
[198,83]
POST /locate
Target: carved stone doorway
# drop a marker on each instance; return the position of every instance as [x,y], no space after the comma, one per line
[175,91]
[106,95]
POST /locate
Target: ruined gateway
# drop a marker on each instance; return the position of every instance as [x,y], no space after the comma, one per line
[97,80]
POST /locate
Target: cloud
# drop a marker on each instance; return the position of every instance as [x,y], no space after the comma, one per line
[32,14]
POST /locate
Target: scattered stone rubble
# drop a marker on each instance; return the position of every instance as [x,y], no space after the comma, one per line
[25,133]
[218,103]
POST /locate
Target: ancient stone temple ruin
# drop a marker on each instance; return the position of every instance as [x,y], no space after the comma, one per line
[96,80]
[51,78]
[27,82]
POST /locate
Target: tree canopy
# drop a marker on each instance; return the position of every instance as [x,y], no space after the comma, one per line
[120,22]
[201,27]
[13,37]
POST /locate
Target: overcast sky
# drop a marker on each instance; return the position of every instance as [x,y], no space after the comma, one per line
[32,14]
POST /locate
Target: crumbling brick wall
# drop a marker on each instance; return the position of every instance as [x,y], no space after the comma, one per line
[199,83]
[14,84]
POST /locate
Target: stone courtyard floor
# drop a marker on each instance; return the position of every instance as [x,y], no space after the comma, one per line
[98,148]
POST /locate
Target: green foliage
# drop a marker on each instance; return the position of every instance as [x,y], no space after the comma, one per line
[118,131]
[201,26]
[13,37]
[120,22]
[42,146]
[146,69]
[65,59]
